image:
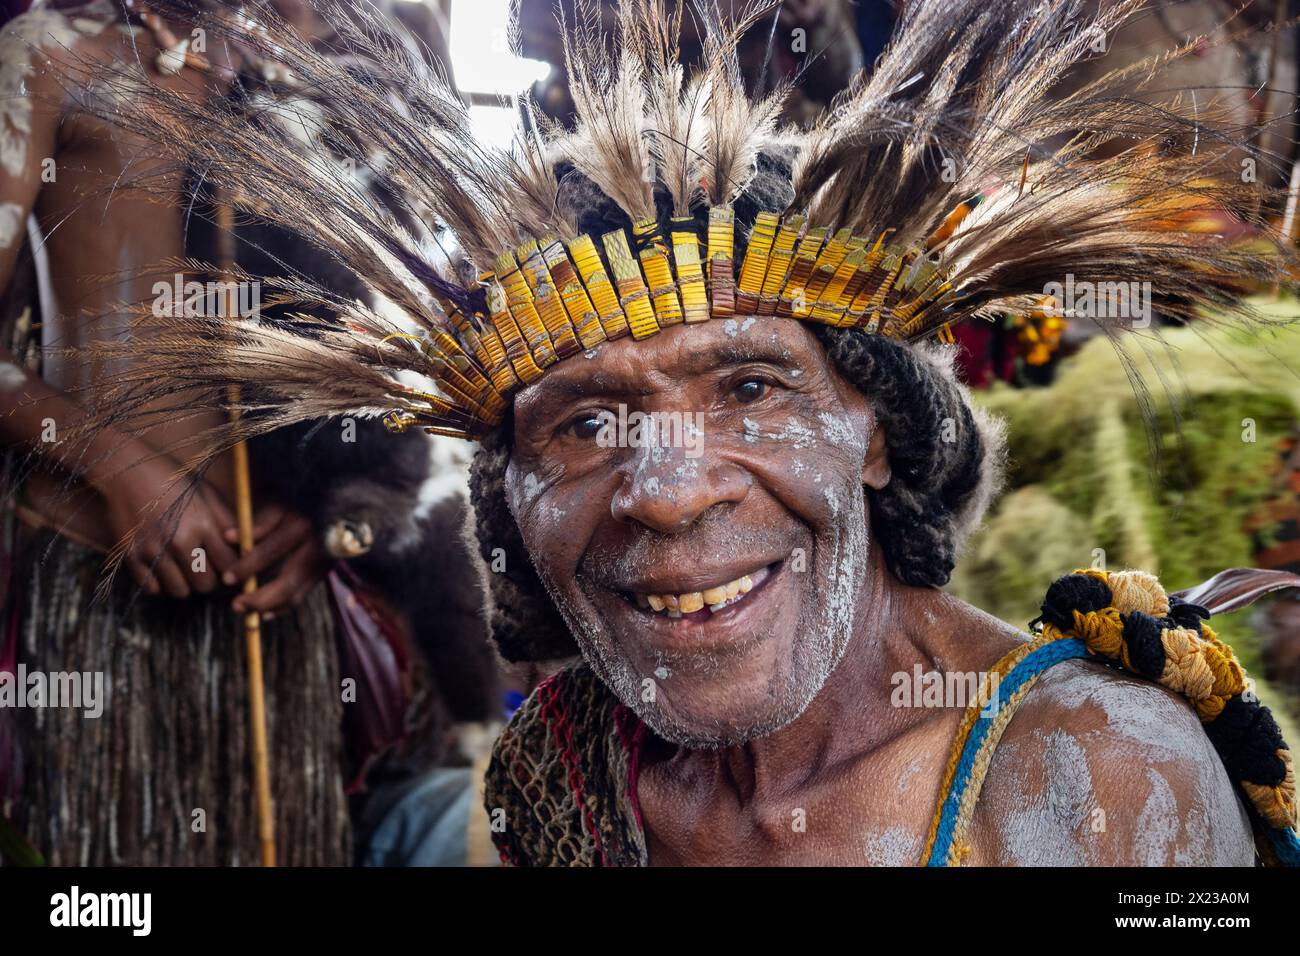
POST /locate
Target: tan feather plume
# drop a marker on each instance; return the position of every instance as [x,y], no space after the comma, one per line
[607,80]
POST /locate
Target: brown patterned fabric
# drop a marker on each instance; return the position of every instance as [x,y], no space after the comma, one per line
[561,787]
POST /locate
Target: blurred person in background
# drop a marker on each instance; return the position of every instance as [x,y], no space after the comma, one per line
[127,788]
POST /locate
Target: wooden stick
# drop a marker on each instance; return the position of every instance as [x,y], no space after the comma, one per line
[243,486]
[252,620]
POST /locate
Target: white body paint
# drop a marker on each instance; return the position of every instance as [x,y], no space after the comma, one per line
[11,223]
[11,376]
[19,42]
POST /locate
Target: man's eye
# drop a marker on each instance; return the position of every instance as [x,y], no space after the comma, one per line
[750,390]
[586,426]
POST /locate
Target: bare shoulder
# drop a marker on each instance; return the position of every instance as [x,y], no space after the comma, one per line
[46,33]
[44,49]
[1101,768]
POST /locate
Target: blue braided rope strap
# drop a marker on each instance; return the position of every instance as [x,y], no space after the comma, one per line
[1028,670]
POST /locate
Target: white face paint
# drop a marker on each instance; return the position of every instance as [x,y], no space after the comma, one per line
[11,223]
[19,40]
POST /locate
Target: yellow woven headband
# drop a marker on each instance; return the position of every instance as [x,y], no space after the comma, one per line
[549,300]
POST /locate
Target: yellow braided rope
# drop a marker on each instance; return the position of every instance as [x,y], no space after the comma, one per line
[1200,667]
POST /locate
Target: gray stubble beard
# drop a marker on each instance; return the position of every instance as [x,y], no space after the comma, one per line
[815,659]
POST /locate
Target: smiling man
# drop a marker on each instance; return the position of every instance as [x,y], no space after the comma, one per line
[742,616]
[752,572]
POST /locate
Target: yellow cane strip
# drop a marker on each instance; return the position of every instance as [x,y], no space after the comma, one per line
[546,299]
[754,268]
[902,316]
[475,404]
[519,300]
[437,405]
[874,292]
[856,284]
[892,266]
[943,295]
[722,279]
[466,382]
[906,317]
[450,432]
[603,296]
[827,265]
[658,273]
[834,300]
[500,317]
[472,338]
[443,350]
[503,375]
[779,263]
[874,274]
[921,275]
[398,421]
[690,275]
[663,291]
[794,298]
[504,322]
[632,293]
[582,313]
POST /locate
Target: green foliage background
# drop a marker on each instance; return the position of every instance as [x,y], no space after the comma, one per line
[1093,478]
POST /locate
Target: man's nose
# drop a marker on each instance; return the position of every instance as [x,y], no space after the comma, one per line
[670,494]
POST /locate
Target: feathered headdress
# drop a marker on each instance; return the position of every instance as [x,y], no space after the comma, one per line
[951,183]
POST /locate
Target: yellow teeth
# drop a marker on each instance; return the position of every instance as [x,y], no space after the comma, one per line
[715,598]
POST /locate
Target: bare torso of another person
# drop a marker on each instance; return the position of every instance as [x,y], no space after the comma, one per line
[105,244]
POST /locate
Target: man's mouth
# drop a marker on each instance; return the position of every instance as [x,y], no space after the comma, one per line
[706,602]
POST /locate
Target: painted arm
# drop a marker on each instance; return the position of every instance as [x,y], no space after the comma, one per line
[159,518]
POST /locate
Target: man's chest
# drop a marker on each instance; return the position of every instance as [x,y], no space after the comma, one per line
[875,811]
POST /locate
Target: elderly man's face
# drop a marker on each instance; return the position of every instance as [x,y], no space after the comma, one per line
[747,497]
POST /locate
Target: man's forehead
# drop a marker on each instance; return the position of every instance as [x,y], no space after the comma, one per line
[678,353]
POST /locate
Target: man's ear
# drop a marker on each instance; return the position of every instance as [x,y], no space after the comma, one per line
[875,469]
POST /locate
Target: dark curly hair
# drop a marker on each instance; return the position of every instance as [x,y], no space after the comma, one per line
[945,454]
